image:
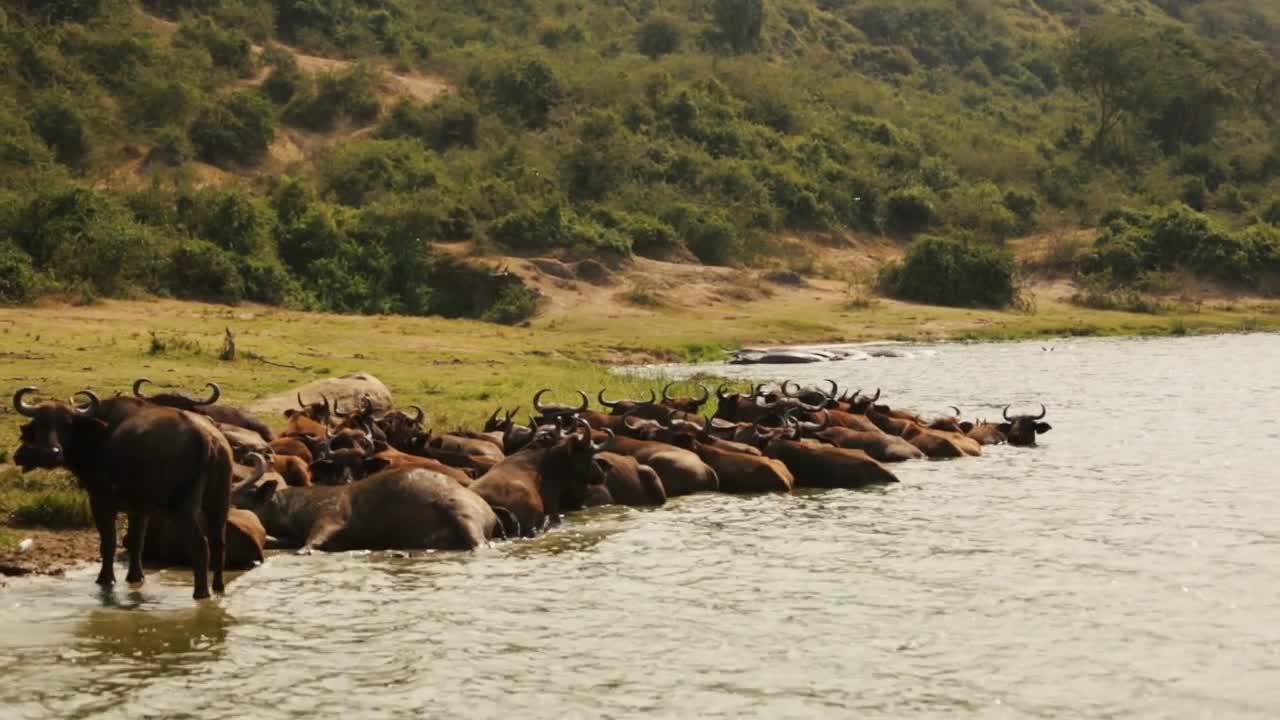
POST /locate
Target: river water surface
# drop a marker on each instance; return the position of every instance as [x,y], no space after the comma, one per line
[1127,567]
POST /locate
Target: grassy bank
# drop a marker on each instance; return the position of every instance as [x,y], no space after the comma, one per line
[461,370]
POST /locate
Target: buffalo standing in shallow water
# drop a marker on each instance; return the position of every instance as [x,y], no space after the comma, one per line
[142,459]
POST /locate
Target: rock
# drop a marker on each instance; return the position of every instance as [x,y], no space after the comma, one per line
[346,391]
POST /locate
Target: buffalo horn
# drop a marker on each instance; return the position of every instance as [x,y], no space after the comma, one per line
[19,402]
[537,400]
[586,401]
[92,407]
[1043,412]
[423,416]
[215,392]
[706,395]
[137,387]
[835,390]
[956,409]
[1006,413]
[604,402]
[666,397]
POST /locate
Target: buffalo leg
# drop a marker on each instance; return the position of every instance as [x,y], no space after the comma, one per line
[215,523]
[198,546]
[322,537]
[104,517]
[137,537]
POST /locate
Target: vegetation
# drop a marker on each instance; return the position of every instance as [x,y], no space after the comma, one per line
[705,130]
[950,271]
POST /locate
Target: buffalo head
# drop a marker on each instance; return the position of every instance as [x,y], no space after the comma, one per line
[1022,429]
[56,431]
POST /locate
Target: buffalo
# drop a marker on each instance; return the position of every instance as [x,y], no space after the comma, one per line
[221,414]
[149,460]
[1023,429]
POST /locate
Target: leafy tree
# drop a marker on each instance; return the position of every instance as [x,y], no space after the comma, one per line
[659,35]
[1116,63]
[235,129]
[740,23]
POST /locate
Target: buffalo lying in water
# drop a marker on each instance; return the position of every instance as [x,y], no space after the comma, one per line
[395,509]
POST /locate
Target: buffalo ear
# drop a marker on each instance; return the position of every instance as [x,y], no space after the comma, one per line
[601,463]
[1043,427]
[290,413]
[882,409]
[966,427]
[1005,427]
[380,446]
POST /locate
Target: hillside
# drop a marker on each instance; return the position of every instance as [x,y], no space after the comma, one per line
[334,154]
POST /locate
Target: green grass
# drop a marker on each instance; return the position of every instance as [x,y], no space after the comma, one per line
[43,499]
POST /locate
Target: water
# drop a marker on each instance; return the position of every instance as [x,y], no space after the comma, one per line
[1126,567]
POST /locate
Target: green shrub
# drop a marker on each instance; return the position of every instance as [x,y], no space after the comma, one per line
[200,270]
[980,208]
[649,236]
[234,129]
[531,230]
[525,91]
[515,304]
[59,121]
[659,35]
[713,240]
[1195,194]
[18,279]
[267,281]
[956,272]
[452,121]
[350,94]
[910,210]
[739,23]
[286,78]
[231,219]
[1272,213]
[158,102]
[229,49]
[357,171]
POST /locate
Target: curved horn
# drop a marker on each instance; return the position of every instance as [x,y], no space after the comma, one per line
[19,403]
[720,393]
[137,387]
[586,402]
[1006,414]
[300,403]
[956,409]
[835,389]
[1043,412]
[706,395]
[259,466]
[604,402]
[877,397]
[666,397]
[334,410]
[537,400]
[512,414]
[788,383]
[603,445]
[215,392]
[94,402]
[417,420]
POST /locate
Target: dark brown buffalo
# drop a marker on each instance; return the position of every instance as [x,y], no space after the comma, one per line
[339,467]
[221,414]
[532,485]
[549,413]
[623,407]
[682,471]
[393,510]
[166,545]
[685,404]
[950,424]
[738,472]
[1022,429]
[151,460]
[399,428]
[626,482]
[349,438]
[879,445]
[388,458]
[514,437]
[824,466]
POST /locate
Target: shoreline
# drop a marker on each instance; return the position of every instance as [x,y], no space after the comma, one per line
[460,370]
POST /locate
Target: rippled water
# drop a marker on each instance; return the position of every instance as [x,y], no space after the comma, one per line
[1129,566]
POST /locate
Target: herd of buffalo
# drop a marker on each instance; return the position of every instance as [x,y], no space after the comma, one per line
[204,483]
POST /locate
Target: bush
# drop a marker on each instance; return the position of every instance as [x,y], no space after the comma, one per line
[267,281]
[232,220]
[910,210]
[229,49]
[286,78]
[713,240]
[980,208]
[356,172]
[60,123]
[659,35]
[235,129]
[1195,194]
[956,272]
[18,279]
[449,122]
[200,270]
[525,92]
[352,94]
[531,230]
[515,304]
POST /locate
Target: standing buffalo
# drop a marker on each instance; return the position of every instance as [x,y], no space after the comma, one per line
[147,459]
[220,413]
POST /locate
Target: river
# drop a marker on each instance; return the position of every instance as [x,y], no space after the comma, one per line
[1129,566]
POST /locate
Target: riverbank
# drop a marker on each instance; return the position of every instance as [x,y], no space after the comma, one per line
[461,370]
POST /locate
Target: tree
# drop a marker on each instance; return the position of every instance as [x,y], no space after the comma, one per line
[236,129]
[740,23]
[659,36]
[1116,64]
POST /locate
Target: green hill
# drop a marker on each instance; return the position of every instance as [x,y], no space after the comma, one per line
[312,152]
